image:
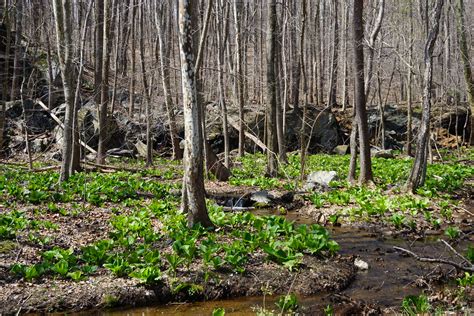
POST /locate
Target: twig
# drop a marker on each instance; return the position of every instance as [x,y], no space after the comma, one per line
[110,167]
[455,252]
[434,260]
[238,208]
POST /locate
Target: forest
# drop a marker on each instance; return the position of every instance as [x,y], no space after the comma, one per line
[236,157]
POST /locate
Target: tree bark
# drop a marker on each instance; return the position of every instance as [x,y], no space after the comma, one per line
[332,101]
[164,53]
[360,106]
[418,171]
[193,149]
[63,23]
[272,141]
[465,58]
[239,75]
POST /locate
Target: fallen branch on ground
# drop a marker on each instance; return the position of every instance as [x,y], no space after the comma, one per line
[434,260]
[110,167]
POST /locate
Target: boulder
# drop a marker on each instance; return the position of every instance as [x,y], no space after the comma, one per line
[141,148]
[38,121]
[341,150]
[381,153]
[319,180]
[262,198]
[323,133]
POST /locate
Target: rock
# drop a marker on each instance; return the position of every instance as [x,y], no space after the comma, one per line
[38,121]
[341,149]
[262,198]
[361,264]
[39,144]
[121,152]
[324,131]
[141,148]
[453,118]
[322,177]
[381,153]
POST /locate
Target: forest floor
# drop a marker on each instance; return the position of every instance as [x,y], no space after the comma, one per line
[110,238]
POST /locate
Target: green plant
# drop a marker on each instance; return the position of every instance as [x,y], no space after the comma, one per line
[287,303]
[147,275]
[452,232]
[329,310]
[466,280]
[397,220]
[470,254]
[414,305]
[218,312]
[174,261]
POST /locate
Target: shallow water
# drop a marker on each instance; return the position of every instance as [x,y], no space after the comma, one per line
[389,279]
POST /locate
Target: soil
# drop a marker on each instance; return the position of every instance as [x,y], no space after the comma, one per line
[104,290]
[316,276]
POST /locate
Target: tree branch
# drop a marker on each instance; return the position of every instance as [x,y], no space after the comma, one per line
[434,260]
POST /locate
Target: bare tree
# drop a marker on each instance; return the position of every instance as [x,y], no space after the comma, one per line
[63,23]
[464,51]
[193,179]
[359,94]
[272,141]
[418,171]
[334,56]
[104,60]
[239,73]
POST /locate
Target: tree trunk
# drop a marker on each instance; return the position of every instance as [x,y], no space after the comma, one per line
[332,101]
[146,92]
[5,94]
[133,13]
[165,55]
[361,114]
[104,87]
[239,76]
[464,50]
[193,149]
[63,22]
[418,171]
[410,86]
[16,60]
[221,35]
[272,141]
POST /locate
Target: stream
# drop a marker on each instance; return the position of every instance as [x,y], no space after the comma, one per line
[390,277]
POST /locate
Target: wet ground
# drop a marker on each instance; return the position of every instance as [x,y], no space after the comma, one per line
[391,276]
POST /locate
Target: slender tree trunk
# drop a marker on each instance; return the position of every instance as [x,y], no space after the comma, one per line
[221,61]
[165,54]
[272,141]
[5,94]
[63,22]
[239,75]
[344,40]
[104,86]
[332,101]
[16,60]
[371,46]
[410,86]
[418,171]
[193,150]
[305,93]
[149,118]
[464,51]
[133,13]
[361,114]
